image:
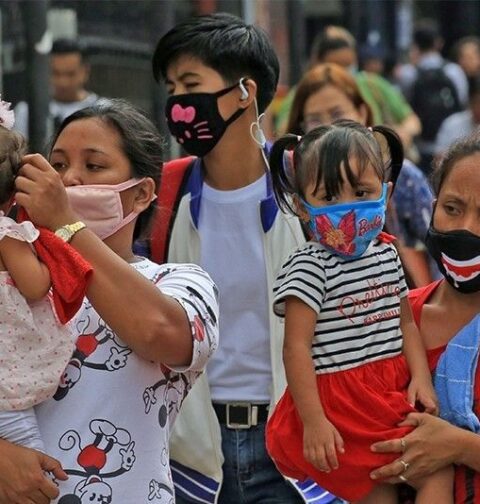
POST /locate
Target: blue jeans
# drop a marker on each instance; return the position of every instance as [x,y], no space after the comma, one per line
[249,475]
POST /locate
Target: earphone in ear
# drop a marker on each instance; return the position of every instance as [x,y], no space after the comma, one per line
[242,87]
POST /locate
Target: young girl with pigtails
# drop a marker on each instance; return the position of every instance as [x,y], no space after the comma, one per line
[354,360]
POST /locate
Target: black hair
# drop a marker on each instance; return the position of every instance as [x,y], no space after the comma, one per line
[226,44]
[443,166]
[426,34]
[68,46]
[320,155]
[141,144]
[13,147]
[324,44]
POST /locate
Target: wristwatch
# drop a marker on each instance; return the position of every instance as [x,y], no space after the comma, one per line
[67,232]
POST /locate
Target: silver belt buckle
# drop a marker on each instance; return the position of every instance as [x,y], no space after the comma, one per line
[251,419]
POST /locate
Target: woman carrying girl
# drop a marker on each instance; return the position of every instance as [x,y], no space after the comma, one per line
[354,360]
[447,313]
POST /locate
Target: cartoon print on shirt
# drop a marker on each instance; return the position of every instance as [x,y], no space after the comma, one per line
[98,472]
[162,274]
[156,490]
[196,302]
[91,490]
[94,458]
[175,386]
[86,345]
[204,315]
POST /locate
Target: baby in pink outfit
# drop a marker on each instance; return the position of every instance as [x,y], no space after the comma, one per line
[35,346]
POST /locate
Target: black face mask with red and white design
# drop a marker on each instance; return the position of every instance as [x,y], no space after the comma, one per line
[457,254]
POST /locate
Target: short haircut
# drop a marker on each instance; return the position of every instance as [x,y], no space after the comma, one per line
[426,34]
[226,44]
[68,46]
[331,38]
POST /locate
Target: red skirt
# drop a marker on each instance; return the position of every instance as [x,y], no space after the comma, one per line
[365,404]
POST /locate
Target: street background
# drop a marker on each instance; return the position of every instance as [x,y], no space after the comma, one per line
[121,34]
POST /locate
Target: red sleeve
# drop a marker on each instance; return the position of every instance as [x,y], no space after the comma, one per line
[69,272]
[418,297]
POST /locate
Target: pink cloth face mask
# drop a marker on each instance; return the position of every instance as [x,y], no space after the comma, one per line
[100,206]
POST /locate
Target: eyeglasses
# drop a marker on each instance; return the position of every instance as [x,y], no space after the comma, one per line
[312,121]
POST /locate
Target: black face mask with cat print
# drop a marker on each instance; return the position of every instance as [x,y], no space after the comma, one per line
[194,120]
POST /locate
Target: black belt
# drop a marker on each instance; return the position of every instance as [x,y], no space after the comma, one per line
[241,415]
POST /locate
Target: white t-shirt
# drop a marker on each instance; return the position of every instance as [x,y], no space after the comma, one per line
[110,420]
[357,302]
[232,251]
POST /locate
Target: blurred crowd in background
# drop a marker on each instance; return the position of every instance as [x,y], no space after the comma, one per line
[413,65]
[117,39]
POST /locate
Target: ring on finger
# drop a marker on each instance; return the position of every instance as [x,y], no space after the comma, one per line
[406,465]
[403,478]
[403,445]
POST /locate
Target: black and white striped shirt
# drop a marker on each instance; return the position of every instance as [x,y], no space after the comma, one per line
[357,302]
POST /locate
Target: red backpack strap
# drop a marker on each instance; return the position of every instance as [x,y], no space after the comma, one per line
[173,175]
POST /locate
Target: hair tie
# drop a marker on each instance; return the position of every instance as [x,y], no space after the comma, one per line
[7,116]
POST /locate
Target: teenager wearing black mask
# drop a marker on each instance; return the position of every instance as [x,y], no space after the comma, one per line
[448,316]
[221,75]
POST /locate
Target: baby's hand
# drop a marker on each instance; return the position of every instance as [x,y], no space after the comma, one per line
[422,392]
[321,440]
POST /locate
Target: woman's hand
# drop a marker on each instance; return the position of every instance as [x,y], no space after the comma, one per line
[41,192]
[422,393]
[321,440]
[22,475]
[433,445]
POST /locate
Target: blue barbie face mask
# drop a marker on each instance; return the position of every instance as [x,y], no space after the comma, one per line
[347,229]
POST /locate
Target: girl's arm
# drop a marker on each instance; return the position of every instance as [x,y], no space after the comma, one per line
[154,325]
[30,275]
[300,321]
[421,388]
[321,439]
